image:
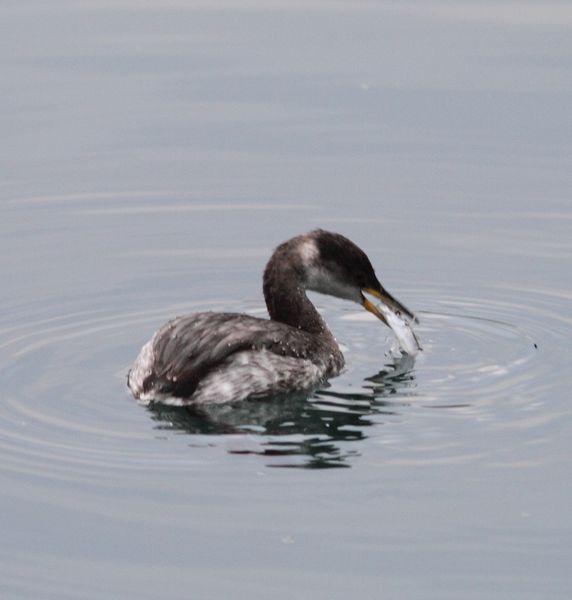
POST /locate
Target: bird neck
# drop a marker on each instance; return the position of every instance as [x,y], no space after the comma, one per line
[286,299]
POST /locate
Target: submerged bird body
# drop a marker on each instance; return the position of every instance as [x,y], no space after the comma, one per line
[220,357]
[223,357]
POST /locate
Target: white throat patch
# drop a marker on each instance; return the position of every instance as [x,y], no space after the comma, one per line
[322,281]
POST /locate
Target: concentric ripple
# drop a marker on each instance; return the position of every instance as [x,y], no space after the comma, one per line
[66,413]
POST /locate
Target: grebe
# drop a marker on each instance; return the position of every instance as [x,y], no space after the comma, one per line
[223,357]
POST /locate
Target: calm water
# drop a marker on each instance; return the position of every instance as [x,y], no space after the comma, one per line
[153,155]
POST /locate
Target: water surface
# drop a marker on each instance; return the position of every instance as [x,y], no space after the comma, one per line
[154,154]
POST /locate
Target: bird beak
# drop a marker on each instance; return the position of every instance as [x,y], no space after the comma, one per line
[387,299]
[372,308]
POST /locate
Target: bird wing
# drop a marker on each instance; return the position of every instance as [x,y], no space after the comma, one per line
[187,348]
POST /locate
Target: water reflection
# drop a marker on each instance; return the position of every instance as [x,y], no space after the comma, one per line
[312,430]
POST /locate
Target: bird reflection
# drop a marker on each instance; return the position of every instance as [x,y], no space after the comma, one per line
[302,431]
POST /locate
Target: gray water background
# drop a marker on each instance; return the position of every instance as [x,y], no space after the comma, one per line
[153,154]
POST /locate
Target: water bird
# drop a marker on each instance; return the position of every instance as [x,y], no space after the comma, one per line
[211,357]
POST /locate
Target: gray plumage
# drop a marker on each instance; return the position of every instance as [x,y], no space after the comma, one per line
[188,349]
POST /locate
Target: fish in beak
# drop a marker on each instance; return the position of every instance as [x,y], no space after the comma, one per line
[395,315]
